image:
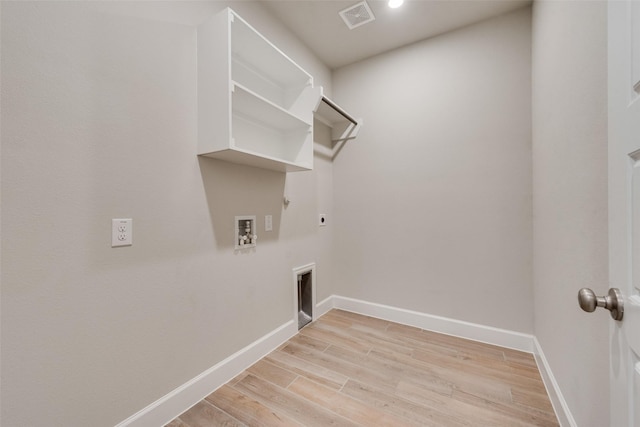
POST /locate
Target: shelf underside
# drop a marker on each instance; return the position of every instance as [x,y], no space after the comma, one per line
[258,160]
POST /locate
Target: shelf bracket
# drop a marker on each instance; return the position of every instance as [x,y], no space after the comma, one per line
[344,126]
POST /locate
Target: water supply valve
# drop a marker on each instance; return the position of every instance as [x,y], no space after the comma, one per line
[245,232]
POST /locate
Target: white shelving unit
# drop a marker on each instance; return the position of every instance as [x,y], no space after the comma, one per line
[255,105]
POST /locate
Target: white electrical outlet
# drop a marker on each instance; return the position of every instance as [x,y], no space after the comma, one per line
[121,232]
[268,223]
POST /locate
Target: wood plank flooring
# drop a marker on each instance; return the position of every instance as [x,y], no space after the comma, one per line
[351,370]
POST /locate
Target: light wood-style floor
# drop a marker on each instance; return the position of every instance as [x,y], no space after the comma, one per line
[351,370]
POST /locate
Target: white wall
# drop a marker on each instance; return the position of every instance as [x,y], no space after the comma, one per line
[570,198]
[433,199]
[99,122]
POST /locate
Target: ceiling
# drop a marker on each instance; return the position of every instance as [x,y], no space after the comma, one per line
[320,27]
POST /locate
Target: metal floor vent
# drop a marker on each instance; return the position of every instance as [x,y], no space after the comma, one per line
[357,15]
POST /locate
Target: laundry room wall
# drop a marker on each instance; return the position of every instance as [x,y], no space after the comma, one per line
[99,122]
[433,199]
[570,199]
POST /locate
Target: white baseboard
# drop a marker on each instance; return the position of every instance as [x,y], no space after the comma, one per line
[323,307]
[472,331]
[179,400]
[565,418]
[458,328]
[165,409]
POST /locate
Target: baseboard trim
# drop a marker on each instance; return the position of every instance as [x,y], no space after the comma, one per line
[565,418]
[472,331]
[165,409]
[444,325]
[323,307]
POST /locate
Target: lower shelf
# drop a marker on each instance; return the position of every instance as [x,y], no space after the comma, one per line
[253,159]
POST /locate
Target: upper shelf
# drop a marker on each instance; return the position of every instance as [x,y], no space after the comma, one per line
[332,113]
[254,51]
[343,125]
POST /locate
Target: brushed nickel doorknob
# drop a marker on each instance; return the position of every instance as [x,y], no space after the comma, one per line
[613,302]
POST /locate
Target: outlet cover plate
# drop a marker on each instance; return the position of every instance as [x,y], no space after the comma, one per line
[121,232]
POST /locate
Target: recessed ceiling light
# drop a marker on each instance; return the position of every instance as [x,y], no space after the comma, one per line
[395,3]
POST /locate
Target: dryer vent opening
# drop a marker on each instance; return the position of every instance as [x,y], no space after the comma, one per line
[305,299]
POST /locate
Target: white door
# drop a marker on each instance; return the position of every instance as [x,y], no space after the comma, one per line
[624,207]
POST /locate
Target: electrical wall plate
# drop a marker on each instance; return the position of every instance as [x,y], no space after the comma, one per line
[121,232]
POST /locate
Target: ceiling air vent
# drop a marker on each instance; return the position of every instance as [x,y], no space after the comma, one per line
[357,15]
